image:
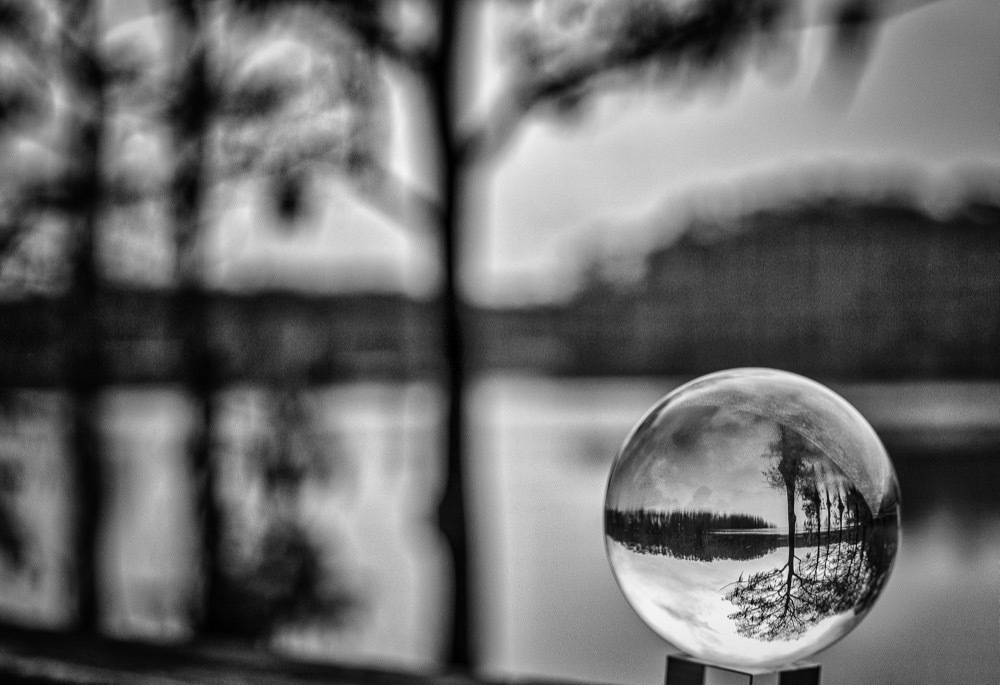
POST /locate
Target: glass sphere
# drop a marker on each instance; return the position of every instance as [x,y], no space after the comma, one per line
[752,518]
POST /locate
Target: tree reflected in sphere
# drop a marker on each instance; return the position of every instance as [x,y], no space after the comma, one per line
[752,518]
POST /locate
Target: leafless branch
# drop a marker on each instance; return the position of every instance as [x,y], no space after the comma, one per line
[707,36]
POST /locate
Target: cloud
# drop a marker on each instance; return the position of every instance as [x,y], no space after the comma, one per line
[700,496]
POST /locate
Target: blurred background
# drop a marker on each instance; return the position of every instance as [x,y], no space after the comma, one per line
[321,321]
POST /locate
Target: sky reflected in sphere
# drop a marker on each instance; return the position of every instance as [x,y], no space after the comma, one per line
[752,518]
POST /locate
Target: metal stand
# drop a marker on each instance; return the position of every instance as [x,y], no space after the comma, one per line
[683,670]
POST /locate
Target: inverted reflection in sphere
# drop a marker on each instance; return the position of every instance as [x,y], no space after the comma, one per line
[751,517]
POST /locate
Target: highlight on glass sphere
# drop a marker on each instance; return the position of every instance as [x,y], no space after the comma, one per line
[752,518]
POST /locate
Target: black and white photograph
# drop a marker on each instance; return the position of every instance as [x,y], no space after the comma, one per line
[633,342]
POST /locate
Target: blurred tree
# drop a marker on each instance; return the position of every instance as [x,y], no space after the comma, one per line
[189,106]
[812,506]
[274,570]
[242,108]
[13,539]
[25,76]
[792,454]
[84,191]
[55,172]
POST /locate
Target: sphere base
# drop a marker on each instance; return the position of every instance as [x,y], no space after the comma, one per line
[684,670]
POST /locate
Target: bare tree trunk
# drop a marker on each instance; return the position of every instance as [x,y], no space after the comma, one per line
[788,468]
[452,508]
[190,123]
[84,194]
[819,532]
[829,523]
[790,501]
[840,519]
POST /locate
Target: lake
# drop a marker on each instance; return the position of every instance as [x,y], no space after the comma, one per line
[540,449]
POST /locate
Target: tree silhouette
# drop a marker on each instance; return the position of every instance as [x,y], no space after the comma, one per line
[280,576]
[13,539]
[782,603]
[231,121]
[793,453]
[65,176]
[812,506]
[76,190]
[189,106]
[24,80]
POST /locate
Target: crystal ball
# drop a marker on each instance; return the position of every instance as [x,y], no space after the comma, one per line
[752,518]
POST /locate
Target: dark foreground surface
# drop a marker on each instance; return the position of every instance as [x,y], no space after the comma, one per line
[36,658]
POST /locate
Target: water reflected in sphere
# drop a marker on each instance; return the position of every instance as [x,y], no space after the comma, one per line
[751,518]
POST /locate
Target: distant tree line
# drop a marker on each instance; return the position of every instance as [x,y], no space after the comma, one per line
[690,534]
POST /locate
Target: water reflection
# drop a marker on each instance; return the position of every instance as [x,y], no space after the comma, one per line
[326,497]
